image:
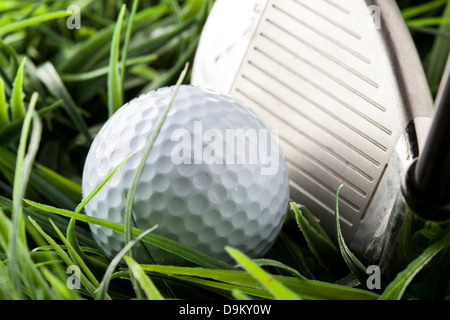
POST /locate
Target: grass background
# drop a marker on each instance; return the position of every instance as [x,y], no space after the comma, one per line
[58,86]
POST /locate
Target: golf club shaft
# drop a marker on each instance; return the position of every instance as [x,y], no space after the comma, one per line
[428,184]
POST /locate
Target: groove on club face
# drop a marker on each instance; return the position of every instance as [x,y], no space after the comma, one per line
[341,91]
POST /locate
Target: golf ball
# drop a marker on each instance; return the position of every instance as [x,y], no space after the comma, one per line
[214,177]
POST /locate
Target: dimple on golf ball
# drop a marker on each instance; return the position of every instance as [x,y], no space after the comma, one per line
[215,175]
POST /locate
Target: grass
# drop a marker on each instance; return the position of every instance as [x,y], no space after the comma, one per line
[57,87]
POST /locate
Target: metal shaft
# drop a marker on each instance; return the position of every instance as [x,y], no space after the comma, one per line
[427,188]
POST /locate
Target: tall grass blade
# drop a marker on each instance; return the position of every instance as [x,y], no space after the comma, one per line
[115,96]
[126,44]
[17,106]
[22,171]
[145,154]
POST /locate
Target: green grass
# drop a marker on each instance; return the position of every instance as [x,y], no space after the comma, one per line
[58,86]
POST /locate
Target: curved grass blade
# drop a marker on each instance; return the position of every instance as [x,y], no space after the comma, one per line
[147,285]
[278,290]
[355,266]
[279,265]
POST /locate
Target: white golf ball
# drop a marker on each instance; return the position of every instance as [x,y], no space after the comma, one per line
[215,175]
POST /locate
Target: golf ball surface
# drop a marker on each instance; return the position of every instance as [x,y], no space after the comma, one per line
[214,177]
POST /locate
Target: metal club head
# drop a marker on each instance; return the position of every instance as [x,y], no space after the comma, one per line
[342,83]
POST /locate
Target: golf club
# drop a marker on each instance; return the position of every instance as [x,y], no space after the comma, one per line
[342,83]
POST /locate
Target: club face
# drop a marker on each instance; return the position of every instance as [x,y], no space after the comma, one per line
[342,83]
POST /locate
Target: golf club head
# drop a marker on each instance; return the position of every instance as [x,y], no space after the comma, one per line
[342,83]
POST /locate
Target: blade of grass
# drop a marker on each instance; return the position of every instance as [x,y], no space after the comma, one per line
[355,266]
[100,186]
[145,154]
[420,9]
[4,107]
[115,98]
[22,171]
[278,290]
[17,107]
[279,265]
[126,44]
[429,22]
[151,291]
[21,24]
[318,241]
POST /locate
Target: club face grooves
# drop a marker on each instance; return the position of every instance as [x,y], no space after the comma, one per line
[335,87]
